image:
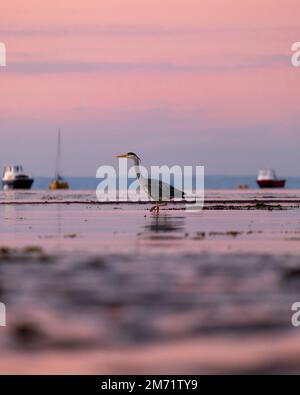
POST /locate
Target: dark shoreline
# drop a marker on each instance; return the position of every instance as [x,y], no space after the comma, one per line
[251,204]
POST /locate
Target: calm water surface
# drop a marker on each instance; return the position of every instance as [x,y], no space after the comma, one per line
[82,279]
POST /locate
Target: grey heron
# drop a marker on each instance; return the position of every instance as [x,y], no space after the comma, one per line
[158,190]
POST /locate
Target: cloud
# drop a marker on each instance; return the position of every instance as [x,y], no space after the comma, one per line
[236,63]
[140,30]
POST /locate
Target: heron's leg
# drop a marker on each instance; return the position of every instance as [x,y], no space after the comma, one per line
[156,207]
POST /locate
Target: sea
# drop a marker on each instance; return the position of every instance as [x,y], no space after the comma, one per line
[93,288]
[211,182]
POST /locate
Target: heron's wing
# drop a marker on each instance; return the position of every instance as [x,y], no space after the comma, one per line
[160,190]
[176,193]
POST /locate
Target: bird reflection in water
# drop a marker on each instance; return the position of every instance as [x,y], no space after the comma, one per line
[165,228]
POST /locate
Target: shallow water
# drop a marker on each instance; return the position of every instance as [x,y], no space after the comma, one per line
[211,182]
[85,280]
[89,196]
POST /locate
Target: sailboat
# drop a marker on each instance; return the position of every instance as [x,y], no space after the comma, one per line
[58,182]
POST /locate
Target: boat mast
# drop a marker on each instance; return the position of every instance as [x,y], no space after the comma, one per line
[57,168]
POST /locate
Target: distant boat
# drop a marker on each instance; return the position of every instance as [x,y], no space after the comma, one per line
[14,177]
[242,186]
[267,179]
[58,182]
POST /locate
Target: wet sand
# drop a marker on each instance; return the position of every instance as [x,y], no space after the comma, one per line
[110,288]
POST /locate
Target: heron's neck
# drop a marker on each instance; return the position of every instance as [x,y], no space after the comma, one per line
[137,163]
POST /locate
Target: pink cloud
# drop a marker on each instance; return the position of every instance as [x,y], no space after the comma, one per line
[214,64]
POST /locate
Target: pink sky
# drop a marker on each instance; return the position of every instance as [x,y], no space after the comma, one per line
[190,82]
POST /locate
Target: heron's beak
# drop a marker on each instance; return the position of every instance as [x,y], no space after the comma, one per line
[121,156]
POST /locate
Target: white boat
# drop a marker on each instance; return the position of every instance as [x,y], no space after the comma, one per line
[14,177]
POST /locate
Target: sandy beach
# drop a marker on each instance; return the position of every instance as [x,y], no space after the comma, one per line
[111,288]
